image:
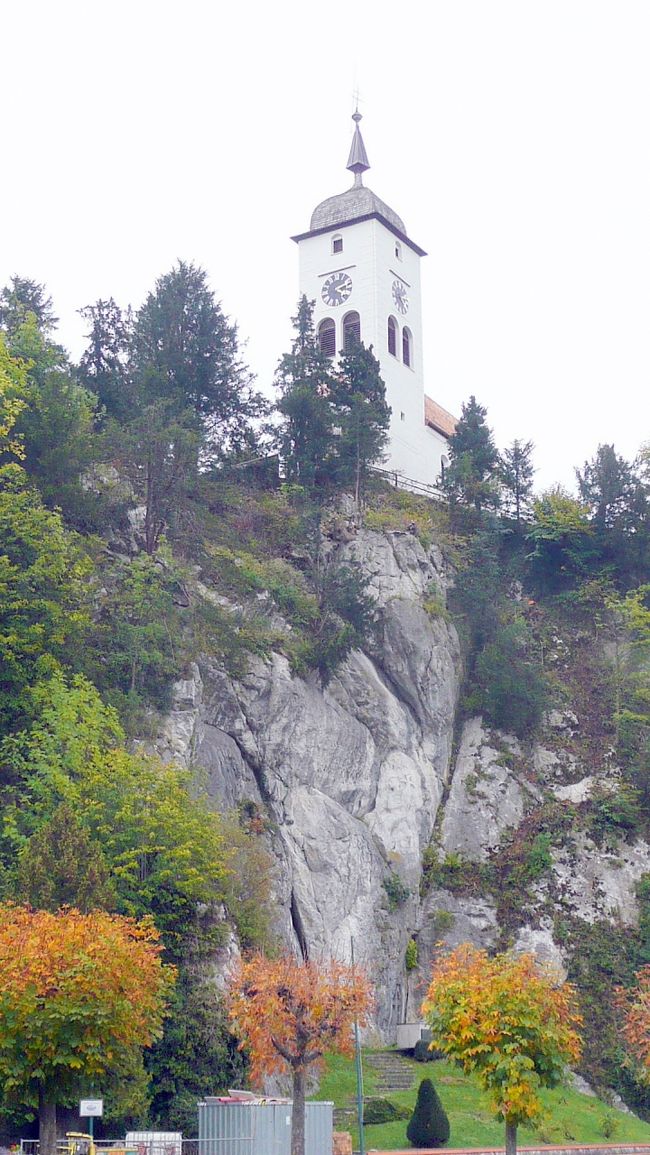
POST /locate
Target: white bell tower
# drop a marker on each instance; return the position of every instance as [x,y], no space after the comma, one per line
[363,271]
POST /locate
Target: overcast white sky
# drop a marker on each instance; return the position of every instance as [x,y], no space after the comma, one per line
[511,136]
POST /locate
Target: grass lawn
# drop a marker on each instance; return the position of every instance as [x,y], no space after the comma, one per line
[570,1118]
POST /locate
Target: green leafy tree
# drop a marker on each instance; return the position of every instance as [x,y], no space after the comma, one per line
[13,381]
[362,416]
[43,593]
[472,477]
[305,385]
[159,836]
[196,1056]
[561,540]
[56,423]
[517,479]
[508,687]
[135,650]
[428,1125]
[477,598]
[61,865]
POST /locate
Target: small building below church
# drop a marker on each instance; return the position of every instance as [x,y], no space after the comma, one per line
[363,271]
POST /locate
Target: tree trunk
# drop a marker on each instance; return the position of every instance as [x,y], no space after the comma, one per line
[511,1138]
[298,1112]
[46,1124]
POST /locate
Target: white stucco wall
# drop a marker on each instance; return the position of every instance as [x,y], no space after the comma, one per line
[369,258]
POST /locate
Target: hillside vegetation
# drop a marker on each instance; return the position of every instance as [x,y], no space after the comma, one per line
[570,1117]
[144,522]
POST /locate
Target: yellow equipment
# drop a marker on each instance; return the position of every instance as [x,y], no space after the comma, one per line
[79,1144]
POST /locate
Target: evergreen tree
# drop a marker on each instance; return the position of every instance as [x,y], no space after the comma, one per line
[20,298]
[104,366]
[429,1125]
[303,377]
[472,476]
[186,353]
[362,414]
[61,865]
[517,479]
[617,497]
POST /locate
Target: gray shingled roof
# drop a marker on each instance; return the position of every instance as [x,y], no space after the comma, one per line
[358,201]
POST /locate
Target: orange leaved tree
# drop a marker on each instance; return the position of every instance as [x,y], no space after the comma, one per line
[507,1019]
[80,995]
[634,1004]
[289,1013]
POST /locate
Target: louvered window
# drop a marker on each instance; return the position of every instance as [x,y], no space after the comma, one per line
[327,337]
[351,331]
[407,347]
[392,336]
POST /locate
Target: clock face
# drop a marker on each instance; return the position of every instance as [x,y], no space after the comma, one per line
[400,296]
[336,289]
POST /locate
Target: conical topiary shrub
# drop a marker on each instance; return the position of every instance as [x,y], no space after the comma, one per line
[428,1125]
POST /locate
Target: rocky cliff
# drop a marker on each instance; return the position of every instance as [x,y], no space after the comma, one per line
[382,829]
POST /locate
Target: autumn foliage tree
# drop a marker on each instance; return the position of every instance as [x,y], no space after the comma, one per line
[290,1013]
[634,1007]
[508,1020]
[80,996]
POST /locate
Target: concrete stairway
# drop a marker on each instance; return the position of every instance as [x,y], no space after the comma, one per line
[393,1072]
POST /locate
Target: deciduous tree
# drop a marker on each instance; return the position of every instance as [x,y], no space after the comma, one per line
[289,1013]
[634,1008]
[80,996]
[43,599]
[507,1019]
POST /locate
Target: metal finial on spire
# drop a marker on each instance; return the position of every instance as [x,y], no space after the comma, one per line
[358,158]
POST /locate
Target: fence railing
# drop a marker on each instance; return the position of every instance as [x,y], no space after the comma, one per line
[400,481]
[212,1146]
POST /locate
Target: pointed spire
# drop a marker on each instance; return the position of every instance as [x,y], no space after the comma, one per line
[358,158]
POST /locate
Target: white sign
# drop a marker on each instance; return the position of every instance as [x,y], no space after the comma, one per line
[91,1108]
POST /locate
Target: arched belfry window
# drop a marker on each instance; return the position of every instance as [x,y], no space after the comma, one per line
[327,337]
[351,331]
[407,347]
[337,243]
[392,336]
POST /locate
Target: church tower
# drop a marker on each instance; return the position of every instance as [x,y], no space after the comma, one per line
[363,271]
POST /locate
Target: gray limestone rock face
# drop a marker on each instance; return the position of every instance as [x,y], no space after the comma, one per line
[539,941]
[351,776]
[593,883]
[486,797]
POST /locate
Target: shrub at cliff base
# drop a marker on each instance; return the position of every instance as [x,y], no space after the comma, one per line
[429,1125]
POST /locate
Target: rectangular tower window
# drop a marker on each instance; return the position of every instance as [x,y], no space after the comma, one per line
[337,245]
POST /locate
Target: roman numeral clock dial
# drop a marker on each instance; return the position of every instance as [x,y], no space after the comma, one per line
[336,289]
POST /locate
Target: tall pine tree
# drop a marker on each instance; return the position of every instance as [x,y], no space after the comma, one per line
[362,415]
[305,383]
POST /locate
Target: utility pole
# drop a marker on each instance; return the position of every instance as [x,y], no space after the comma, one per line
[357,1056]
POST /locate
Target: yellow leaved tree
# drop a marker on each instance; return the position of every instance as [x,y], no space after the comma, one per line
[80,996]
[507,1019]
